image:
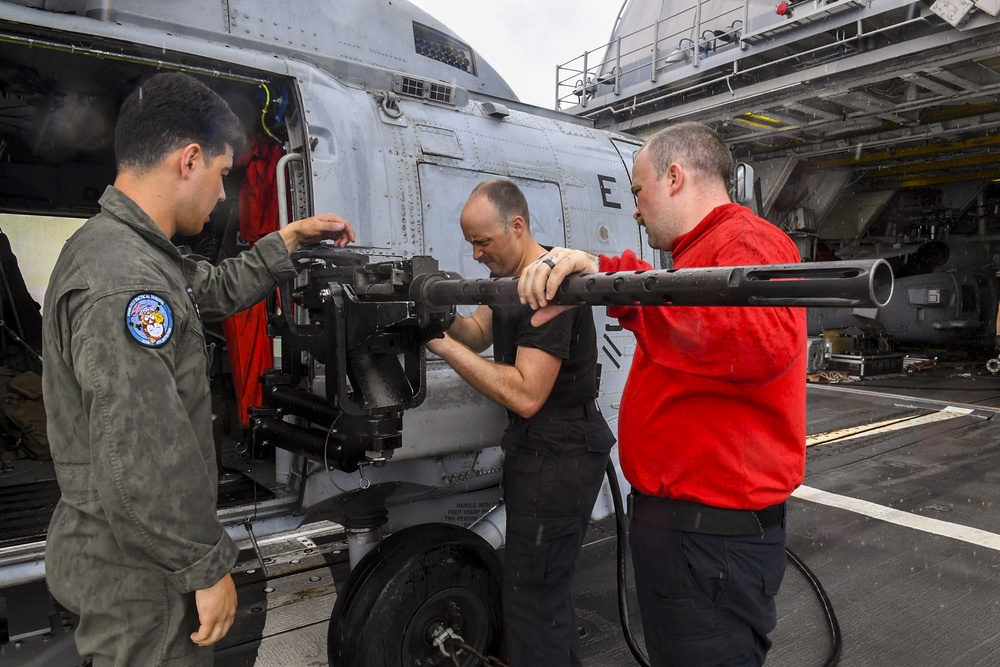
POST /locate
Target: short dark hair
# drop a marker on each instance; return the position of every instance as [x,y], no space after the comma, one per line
[507,198]
[168,111]
[696,146]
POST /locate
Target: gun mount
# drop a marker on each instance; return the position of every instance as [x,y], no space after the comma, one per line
[364,324]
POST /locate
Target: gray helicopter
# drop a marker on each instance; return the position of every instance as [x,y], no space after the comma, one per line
[378,112]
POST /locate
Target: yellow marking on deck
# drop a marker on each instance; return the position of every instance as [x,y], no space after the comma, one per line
[840,435]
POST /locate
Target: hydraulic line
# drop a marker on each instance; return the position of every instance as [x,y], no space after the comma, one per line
[622,548]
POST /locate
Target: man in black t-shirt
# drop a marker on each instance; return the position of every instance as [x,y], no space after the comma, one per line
[557,443]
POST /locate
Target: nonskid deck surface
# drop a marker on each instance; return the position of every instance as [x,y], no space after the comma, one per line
[900,522]
[897,519]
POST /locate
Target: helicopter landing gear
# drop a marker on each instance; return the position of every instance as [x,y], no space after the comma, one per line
[416,598]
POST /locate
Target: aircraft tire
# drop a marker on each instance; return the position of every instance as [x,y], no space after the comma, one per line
[417,581]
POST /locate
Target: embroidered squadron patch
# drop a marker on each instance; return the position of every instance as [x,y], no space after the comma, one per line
[149,320]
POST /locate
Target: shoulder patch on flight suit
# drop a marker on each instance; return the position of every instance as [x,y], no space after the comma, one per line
[149,319]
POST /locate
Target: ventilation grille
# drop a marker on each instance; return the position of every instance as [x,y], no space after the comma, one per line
[411,87]
[428,90]
[438,92]
[438,46]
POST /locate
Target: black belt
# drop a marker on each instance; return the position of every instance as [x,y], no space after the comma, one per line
[552,413]
[697,518]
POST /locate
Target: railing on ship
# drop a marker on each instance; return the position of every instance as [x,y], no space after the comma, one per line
[722,31]
[649,50]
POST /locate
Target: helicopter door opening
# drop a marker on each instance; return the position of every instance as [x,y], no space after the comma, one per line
[57,118]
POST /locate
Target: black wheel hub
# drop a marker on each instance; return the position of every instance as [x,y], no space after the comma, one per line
[459,609]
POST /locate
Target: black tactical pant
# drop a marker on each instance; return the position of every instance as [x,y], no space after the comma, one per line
[553,470]
[707,600]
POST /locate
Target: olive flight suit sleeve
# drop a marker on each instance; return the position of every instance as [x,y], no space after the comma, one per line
[239,282]
[148,416]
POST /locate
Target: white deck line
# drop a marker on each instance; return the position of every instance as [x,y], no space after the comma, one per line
[917,522]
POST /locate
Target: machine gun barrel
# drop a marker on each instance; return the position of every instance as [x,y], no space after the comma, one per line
[829,284]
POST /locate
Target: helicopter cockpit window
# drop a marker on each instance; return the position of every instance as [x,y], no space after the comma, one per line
[438,46]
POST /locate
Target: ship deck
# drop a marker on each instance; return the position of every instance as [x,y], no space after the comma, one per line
[897,519]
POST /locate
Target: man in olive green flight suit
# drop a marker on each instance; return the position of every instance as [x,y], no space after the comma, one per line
[135,546]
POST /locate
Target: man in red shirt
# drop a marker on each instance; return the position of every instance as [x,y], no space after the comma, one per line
[712,422]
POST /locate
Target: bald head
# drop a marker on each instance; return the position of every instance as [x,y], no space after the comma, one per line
[506,198]
[495,221]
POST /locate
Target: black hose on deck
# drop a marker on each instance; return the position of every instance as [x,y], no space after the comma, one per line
[831,617]
[622,549]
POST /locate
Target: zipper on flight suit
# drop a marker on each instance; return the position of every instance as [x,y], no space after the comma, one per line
[208,347]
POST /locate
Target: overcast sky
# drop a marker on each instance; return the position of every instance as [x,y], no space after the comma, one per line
[524,40]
